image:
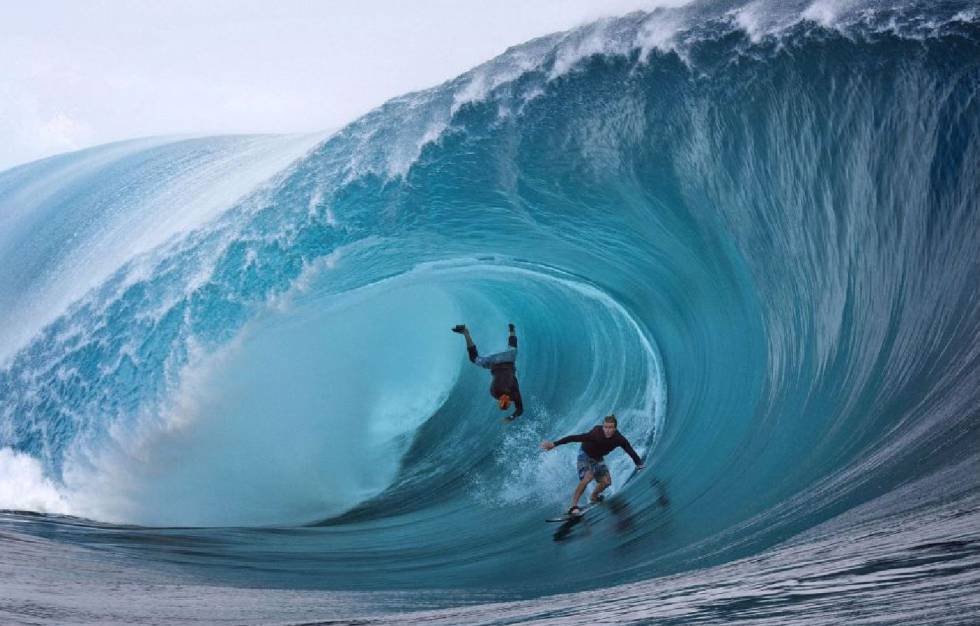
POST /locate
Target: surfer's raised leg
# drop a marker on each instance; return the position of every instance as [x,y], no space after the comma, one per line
[470,346]
[504,386]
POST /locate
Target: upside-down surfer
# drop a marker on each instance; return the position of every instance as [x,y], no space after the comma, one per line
[503,368]
[596,444]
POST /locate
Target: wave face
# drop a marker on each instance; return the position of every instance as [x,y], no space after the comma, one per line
[749,231]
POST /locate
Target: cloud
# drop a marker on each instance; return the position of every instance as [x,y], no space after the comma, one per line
[61,133]
[30,131]
[78,74]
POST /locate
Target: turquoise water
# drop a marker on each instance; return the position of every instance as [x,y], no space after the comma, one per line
[751,232]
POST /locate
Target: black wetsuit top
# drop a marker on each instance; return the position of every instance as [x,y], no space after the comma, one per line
[504,377]
[597,445]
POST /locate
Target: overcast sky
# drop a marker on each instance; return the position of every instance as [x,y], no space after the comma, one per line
[76,74]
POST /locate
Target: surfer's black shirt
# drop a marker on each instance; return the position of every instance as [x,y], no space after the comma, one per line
[503,368]
[597,445]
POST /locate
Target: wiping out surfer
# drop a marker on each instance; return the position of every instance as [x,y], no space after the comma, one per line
[503,368]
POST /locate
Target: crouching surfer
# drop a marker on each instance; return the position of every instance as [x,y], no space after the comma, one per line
[596,444]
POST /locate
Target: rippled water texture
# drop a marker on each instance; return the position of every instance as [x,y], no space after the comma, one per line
[228,390]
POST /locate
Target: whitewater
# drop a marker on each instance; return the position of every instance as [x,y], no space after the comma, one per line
[229,392]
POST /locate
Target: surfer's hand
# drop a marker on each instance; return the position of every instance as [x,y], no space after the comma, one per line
[547,445]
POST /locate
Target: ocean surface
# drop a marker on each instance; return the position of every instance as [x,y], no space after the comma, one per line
[229,392]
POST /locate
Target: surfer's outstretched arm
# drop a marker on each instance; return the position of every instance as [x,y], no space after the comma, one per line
[548,445]
[571,438]
[625,445]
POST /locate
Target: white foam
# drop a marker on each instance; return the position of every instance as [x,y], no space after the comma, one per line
[24,487]
[659,32]
[825,12]
[582,45]
[967,15]
[474,90]
[749,19]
